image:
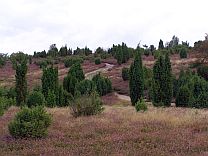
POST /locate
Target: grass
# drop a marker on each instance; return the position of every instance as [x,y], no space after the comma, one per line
[118,130]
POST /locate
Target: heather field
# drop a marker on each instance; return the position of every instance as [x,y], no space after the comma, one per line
[119,130]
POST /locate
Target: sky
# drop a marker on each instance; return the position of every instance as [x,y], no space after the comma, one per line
[33,25]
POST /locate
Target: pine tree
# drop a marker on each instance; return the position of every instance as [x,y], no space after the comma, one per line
[19,61]
[136,79]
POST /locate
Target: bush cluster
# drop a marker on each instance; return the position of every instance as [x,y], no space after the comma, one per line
[87,105]
[103,85]
[72,60]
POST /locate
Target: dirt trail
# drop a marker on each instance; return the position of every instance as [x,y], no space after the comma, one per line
[90,75]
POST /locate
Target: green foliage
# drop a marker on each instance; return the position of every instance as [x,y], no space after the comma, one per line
[197,87]
[203,72]
[103,85]
[97,61]
[5,103]
[162,82]
[125,73]
[69,84]
[77,72]
[30,123]
[19,61]
[36,99]
[51,99]
[72,60]
[136,79]
[183,53]
[85,87]
[50,81]
[87,105]
[141,105]
[183,97]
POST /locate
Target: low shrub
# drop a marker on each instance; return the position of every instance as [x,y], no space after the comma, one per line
[97,61]
[87,105]
[30,123]
[125,73]
[141,105]
[36,99]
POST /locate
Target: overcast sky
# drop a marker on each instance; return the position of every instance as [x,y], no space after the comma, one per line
[33,25]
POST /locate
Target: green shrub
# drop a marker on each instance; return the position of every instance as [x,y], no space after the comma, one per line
[30,123]
[72,60]
[183,97]
[85,87]
[97,61]
[125,73]
[203,72]
[141,105]
[36,99]
[87,105]
[183,53]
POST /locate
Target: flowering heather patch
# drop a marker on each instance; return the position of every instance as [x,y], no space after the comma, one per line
[117,131]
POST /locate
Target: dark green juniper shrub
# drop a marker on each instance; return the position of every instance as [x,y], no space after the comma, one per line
[30,123]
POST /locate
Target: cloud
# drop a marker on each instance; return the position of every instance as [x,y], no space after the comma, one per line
[28,25]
